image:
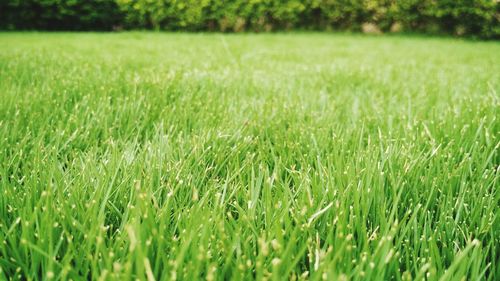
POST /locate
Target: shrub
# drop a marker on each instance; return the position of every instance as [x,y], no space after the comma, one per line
[459,17]
[59,14]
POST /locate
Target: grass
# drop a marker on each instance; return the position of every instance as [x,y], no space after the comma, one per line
[158,156]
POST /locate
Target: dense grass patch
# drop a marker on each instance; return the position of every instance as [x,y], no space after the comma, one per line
[300,156]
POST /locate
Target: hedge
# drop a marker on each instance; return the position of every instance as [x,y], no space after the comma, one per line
[479,18]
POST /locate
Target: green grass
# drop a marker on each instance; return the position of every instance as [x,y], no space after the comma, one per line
[156,156]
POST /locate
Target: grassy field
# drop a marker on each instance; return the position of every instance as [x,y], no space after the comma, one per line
[157,156]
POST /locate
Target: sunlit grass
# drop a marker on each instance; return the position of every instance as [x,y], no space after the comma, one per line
[289,156]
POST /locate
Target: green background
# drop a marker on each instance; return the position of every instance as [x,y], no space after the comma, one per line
[477,18]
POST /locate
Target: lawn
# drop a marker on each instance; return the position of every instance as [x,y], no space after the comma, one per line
[160,156]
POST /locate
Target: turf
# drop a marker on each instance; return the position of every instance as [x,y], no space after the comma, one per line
[158,156]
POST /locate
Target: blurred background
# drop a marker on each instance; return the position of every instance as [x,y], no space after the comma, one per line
[470,18]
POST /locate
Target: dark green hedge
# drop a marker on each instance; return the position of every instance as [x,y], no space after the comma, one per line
[60,14]
[478,18]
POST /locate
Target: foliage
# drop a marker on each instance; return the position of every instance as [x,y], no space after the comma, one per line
[59,14]
[460,17]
